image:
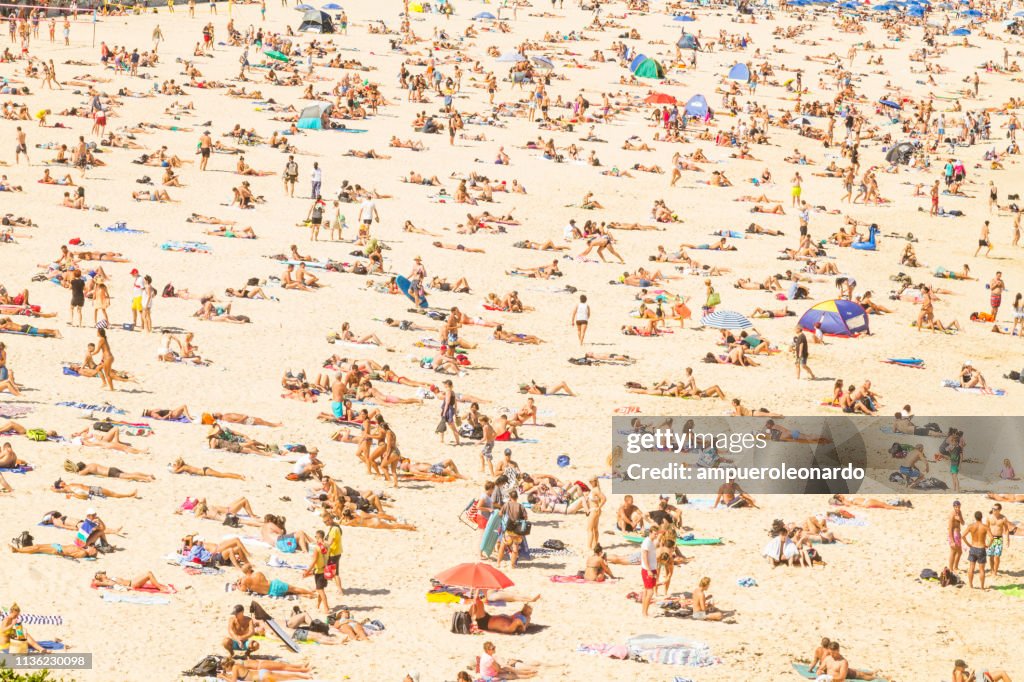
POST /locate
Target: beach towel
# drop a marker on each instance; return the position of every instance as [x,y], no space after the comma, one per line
[16,470]
[35,619]
[671,650]
[10,411]
[130,598]
[277,562]
[803,669]
[841,521]
[247,540]
[122,228]
[576,580]
[187,247]
[702,503]
[1012,590]
[47,644]
[955,385]
[105,408]
[610,650]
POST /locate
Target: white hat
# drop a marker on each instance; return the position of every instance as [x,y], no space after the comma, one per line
[413,675]
[91,511]
[199,538]
[967,363]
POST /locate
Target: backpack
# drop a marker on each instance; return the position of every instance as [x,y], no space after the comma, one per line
[231,520]
[36,434]
[205,668]
[929,574]
[319,627]
[520,527]
[554,544]
[461,623]
[103,426]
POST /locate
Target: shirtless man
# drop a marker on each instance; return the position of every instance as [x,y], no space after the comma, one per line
[254,581]
[835,667]
[628,517]
[1000,528]
[241,628]
[731,495]
[977,538]
[69,551]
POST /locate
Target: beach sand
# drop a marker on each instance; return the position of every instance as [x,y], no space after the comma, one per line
[867,595]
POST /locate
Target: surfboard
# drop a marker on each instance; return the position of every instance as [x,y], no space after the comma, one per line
[636,539]
[404,284]
[492,531]
[282,634]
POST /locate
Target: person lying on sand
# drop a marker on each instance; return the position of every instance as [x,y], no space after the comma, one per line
[84,492]
[257,583]
[181,467]
[68,551]
[93,469]
[839,500]
[146,580]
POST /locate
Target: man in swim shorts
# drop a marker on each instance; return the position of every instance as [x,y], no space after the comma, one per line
[241,628]
[977,537]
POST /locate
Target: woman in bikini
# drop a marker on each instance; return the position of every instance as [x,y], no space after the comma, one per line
[180,467]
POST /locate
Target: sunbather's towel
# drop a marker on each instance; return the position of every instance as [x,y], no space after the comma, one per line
[840,521]
[955,385]
[1012,590]
[610,650]
[277,562]
[9,411]
[671,650]
[135,598]
[105,408]
[16,470]
[35,618]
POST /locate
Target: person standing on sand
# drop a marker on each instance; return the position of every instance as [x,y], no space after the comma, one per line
[977,537]
[205,147]
[448,407]
[148,296]
[801,351]
[995,294]
[77,297]
[649,567]
[291,176]
[315,177]
[956,550]
[20,146]
[934,194]
[158,36]
[138,286]
[999,526]
[581,318]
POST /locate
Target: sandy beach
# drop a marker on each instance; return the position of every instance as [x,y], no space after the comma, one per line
[867,595]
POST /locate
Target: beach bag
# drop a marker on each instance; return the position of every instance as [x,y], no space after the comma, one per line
[36,434]
[461,623]
[23,540]
[442,426]
[556,545]
[520,527]
[103,426]
[231,520]
[205,668]
[929,574]
[714,298]
[319,627]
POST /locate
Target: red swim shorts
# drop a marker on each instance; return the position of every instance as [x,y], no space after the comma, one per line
[650,579]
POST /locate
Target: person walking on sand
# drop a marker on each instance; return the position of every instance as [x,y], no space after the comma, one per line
[291,176]
[158,36]
[317,568]
[77,297]
[448,407]
[984,241]
[801,351]
[20,146]
[106,364]
[995,294]
[956,550]
[581,318]
[138,287]
[977,537]
[205,148]
[315,177]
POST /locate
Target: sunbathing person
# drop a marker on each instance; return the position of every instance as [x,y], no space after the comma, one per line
[258,583]
[180,467]
[160,195]
[173,415]
[446,468]
[84,492]
[234,233]
[361,519]
[8,460]
[109,440]
[238,418]
[201,510]
[867,502]
[512,337]
[769,313]
[93,469]
[597,570]
[7,324]
[69,551]
[146,581]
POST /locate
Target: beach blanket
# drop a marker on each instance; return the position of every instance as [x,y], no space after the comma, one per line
[671,650]
[122,228]
[277,562]
[47,644]
[24,310]
[16,470]
[702,503]
[955,385]
[609,650]
[803,670]
[130,598]
[105,408]
[840,521]
[35,618]
[1012,590]
[187,247]
[10,411]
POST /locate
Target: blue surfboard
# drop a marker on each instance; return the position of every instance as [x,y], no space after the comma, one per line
[492,531]
[405,285]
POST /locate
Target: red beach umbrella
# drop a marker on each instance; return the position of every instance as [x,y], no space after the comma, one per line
[660,98]
[476,576]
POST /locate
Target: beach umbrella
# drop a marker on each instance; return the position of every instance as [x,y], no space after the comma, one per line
[889,103]
[476,576]
[484,15]
[801,121]
[511,57]
[973,13]
[543,62]
[331,6]
[274,54]
[960,32]
[1019,14]
[739,73]
[688,41]
[304,7]
[659,98]
[901,153]
[725,319]
[683,17]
